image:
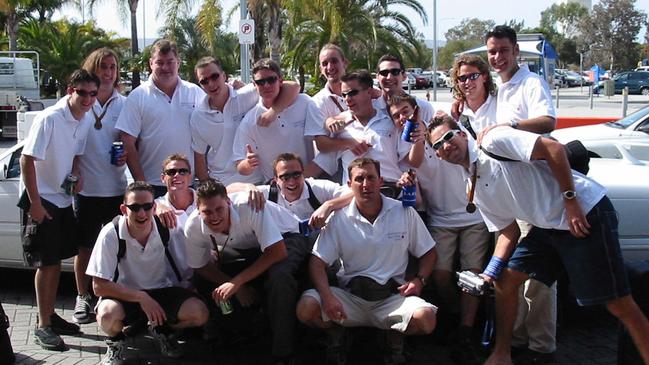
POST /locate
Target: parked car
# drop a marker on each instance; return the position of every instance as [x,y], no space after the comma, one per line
[421,82]
[633,126]
[410,81]
[569,78]
[636,81]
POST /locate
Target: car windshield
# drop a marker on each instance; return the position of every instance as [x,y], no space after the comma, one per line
[630,119]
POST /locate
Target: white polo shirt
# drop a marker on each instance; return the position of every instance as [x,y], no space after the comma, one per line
[54,139]
[160,123]
[384,137]
[524,189]
[142,267]
[525,96]
[213,132]
[322,108]
[177,245]
[485,116]
[100,177]
[323,190]
[248,229]
[377,250]
[426,110]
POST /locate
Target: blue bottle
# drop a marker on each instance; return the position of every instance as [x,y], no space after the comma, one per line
[408,127]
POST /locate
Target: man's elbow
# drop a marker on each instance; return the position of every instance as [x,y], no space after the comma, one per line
[550,124]
[99,287]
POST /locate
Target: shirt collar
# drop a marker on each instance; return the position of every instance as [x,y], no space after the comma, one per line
[387,204]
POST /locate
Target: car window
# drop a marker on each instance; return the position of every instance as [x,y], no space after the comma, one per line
[632,118]
[13,169]
[622,77]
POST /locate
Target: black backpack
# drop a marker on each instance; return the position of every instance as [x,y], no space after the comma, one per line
[164,236]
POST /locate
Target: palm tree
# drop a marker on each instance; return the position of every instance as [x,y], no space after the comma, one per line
[13,11]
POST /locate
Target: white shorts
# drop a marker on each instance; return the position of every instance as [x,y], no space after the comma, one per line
[391,313]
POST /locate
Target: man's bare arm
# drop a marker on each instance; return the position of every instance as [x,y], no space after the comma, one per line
[133,158]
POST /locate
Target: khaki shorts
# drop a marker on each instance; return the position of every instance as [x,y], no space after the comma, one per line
[391,313]
[472,241]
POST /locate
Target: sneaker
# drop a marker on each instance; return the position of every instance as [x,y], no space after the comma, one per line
[336,350]
[531,357]
[114,353]
[169,347]
[63,327]
[46,338]
[83,310]
[394,348]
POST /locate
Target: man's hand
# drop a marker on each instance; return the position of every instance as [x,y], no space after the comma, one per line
[154,312]
[122,159]
[577,221]
[225,291]
[360,148]
[79,185]
[337,125]
[38,212]
[167,215]
[267,117]
[456,109]
[406,179]
[246,296]
[237,84]
[251,157]
[319,216]
[333,309]
[256,198]
[410,288]
[418,134]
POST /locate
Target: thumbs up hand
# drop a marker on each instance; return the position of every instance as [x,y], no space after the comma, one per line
[248,166]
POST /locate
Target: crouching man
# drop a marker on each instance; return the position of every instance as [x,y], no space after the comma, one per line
[129,269]
[372,237]
[574,224]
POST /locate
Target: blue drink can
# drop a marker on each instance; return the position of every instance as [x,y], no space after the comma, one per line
[408,127]
[305,229]
[409,195]
[116,151]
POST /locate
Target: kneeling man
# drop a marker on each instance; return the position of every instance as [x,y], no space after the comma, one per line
[372,237]
[128,266]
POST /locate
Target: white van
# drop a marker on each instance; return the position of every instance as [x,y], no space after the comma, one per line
[19,79]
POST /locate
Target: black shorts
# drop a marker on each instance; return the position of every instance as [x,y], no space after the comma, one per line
[170,299]
[93,213]
[52,240]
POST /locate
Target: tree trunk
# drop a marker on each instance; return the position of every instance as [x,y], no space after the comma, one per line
[275,30]
[135,82]
[11,26]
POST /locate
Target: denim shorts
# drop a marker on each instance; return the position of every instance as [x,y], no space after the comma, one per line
[594,264]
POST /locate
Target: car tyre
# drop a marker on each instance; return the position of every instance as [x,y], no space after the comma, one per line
[644,91]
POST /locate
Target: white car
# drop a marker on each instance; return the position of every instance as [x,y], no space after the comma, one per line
[633,126]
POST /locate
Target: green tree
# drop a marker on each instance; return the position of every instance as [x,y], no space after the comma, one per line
[611,31]
[446,54]
[564,18]
[470,29]
[13,12]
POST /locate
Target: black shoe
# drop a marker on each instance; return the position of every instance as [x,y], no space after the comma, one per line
[63,327]
[531,357]
[337,346]
[114,355]
[284,360]
[169,347]
[46,338]
[394,344]
[83,309]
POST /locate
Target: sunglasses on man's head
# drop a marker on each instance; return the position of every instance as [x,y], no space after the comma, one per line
[269,80]
[137,207]
[471,76]
[351,93]
[213,77]
[393,71]
[290,175]
[85,94]
[445,138]
[172,172]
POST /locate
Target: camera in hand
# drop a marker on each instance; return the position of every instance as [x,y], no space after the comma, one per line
[472,283]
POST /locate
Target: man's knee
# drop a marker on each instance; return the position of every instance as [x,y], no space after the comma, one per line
[308,310]
[424,320]
[110,314]
[509,281]
[193,312]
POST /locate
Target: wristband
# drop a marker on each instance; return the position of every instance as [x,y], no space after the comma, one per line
[495,266]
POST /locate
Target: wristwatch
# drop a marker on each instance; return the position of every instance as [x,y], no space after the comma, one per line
[513,124]
[422,279]
[569,194]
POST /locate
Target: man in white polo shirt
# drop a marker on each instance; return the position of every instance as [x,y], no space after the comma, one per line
[129,269]
[372,236]
[255,146]
[573,221]
[156,116]
[215,120]
[56,140]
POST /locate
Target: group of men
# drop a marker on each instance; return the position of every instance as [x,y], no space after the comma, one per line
[163,254]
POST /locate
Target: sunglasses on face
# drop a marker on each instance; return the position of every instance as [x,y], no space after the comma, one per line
[269,80]
[351,93]
[445,138]
[290,175]
[393,71]
[213,77]
[472,77]
[137,207]
[85,94]
[173,172]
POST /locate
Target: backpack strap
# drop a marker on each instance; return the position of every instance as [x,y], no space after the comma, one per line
[497,157]
[464,120]
[335,100]
[273,192]
[313,200]
[121,248]
[164,236]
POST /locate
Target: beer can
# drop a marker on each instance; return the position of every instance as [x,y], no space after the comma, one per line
[226,307]
[408,127]
[409,195]
[116,151]
[305,229]
[69,183]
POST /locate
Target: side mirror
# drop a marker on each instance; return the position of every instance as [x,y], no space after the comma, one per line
[643,128]
[5,169]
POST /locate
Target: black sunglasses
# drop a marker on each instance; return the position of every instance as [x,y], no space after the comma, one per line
[445,138]
[472,77]
[351,93]
[137,207]
[290,175]
[173,172]
[393,71]
[269,80]
[85,94]
[213,77]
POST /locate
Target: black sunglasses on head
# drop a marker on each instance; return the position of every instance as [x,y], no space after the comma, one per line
[172,172]
[213,77]
[137,207]
[290,175]
[269,80]
[85,94]
[393,71]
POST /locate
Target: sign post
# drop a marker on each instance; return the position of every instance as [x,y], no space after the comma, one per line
[246,37]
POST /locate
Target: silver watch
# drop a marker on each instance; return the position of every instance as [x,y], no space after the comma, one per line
[569,194]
